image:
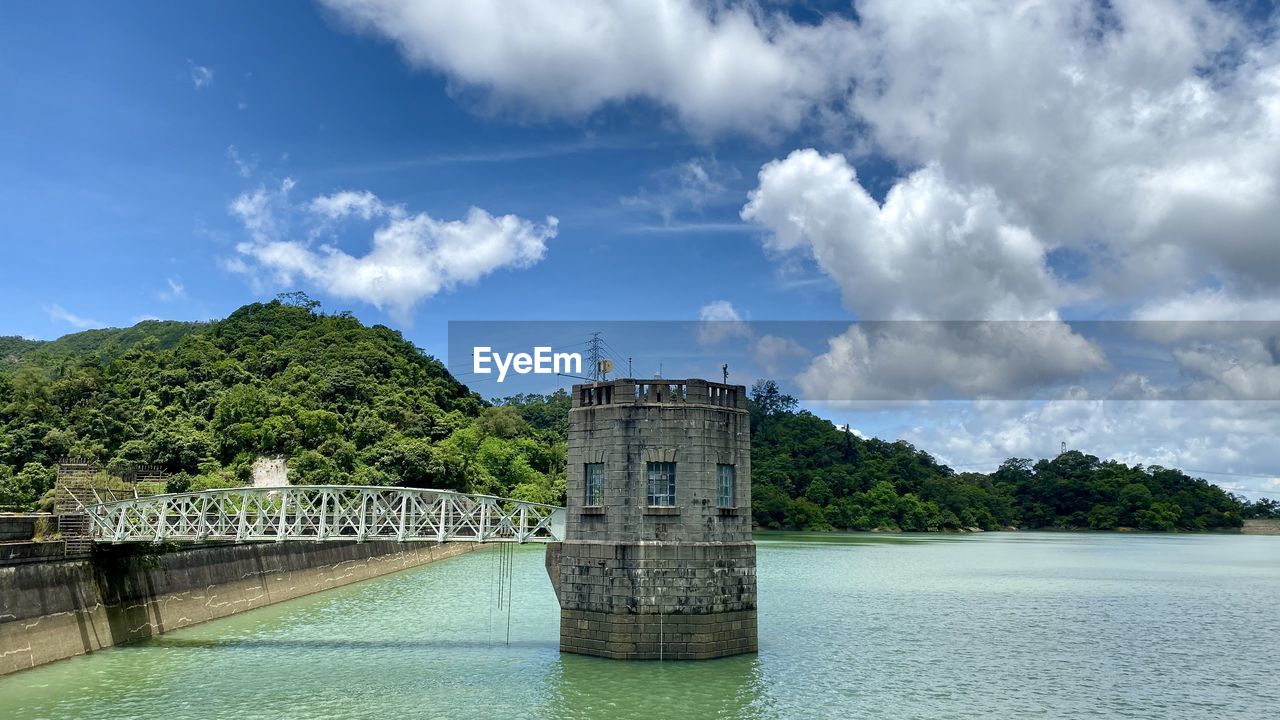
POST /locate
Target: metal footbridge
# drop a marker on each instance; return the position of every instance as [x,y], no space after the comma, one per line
[320,513]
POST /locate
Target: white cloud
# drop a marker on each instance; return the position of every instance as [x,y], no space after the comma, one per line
[932,252]
[343,204]
[924,360]
[411,257]
[61,314]
[929,251]
[773,352]
[200,75]
[717,66]
[1245,369]
[1210,304]
[718,322]
[176,291]
[1144,135]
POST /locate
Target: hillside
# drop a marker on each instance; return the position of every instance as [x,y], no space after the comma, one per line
[101,345]
[808,474]
[344,402]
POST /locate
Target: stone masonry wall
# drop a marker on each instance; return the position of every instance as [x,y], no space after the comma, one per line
[672,582]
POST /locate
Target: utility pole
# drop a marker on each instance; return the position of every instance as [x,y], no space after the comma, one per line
[724,369]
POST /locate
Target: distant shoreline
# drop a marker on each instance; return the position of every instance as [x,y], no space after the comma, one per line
[1261,526]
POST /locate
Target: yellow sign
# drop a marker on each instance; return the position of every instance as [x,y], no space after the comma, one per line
[606,366]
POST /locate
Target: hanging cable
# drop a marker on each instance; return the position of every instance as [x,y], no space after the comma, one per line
[511,550]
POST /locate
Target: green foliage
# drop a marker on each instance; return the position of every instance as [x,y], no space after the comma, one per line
[20,491]
[340,400]
[809,474]
[99,346]
[346,403]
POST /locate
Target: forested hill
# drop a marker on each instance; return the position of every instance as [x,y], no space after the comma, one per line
[344,402]
[93,345]
[808,474]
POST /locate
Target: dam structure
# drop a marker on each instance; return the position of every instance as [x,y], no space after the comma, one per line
[657,560]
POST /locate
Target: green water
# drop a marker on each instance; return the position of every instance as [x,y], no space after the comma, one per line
[1007,625]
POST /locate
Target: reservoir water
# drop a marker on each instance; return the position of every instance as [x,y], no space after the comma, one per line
[851,626]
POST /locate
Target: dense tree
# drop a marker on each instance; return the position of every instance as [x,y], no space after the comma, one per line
[346,403]
[808,473]
[342,401]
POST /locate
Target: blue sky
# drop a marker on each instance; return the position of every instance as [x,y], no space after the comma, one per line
[123,176]
[426,162]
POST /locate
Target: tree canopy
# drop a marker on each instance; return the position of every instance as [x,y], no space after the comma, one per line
[810,474]
[343,402]
[346,403]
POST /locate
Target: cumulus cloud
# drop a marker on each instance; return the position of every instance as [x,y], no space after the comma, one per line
[774,353]
[939,360]
[1145,136]
[718,67]
[61,314]
[929,251]
[1141,140]
[718,322]
[411,257]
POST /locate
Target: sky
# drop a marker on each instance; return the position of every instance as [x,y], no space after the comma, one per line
[998,180]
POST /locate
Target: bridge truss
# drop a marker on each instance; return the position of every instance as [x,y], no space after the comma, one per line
[324,513]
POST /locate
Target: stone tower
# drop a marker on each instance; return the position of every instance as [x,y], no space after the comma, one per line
[657,561]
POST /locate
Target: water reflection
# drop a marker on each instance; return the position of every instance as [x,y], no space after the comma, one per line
[587,687]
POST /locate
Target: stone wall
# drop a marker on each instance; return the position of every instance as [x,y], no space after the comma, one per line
[21,527]
[673,581]
[54,610]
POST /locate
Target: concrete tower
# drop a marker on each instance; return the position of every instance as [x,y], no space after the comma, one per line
[657,560]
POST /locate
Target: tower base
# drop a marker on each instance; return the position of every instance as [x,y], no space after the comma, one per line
[655,601]
[658,637]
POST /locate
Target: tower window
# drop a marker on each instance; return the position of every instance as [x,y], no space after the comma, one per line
[595,484]
[725,476]
[662,484]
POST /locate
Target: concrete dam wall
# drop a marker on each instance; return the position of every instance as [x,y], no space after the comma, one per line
[55,610]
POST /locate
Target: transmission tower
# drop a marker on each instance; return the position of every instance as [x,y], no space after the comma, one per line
[594,356]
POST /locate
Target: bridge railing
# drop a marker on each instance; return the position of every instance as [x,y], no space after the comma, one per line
[324,512]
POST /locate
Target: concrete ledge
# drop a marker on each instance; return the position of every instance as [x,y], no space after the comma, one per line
[17,527]
[55,610]
[13,553]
